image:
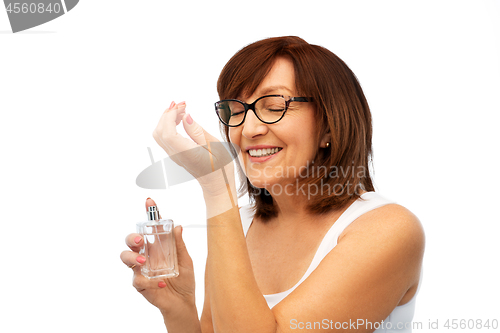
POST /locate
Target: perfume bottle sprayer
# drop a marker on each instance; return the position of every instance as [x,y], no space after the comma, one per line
[158,247]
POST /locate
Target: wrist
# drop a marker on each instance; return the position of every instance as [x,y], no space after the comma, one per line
[218,181]
[181,304]
[182,318]
[220,197]
[217,204]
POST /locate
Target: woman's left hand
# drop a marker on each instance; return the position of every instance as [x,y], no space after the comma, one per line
[200,156]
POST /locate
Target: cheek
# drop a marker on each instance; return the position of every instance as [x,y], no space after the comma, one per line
[302,145]
[234,136]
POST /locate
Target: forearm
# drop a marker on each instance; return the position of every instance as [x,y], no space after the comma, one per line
[237,304]
[182,319]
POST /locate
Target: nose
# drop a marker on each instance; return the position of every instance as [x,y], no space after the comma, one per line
[253,127]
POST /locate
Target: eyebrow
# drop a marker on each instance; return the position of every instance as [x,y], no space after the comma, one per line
[274,88]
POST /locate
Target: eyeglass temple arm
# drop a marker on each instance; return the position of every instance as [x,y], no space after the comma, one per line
[301,99]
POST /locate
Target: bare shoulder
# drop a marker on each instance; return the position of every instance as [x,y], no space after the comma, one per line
[393,223]
[374,267]
[397,235]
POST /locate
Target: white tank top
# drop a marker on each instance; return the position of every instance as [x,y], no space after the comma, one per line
[400,318]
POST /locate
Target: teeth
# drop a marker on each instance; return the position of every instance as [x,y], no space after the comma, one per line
[263,152]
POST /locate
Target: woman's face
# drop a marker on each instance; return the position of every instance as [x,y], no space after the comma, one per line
[293,135]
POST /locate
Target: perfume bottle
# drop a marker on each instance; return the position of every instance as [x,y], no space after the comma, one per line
[158,247]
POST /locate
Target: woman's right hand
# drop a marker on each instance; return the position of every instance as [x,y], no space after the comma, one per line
[168,295]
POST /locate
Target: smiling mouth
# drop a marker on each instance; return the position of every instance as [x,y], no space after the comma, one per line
[263,152]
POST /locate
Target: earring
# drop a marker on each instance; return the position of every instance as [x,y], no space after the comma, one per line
[327,144]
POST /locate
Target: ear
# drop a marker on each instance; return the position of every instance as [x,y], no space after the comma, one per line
[326,140]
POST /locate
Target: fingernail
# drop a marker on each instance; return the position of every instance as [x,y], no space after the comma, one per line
[138,239]
[162,284]
[171,105]
[189,119]
[182,103]
[141,260]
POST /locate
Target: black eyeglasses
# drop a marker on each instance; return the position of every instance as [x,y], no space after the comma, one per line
[269,109]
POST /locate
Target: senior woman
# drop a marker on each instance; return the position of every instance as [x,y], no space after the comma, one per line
[317,249]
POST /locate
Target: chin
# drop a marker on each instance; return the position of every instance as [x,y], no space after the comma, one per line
[259,182]
[270,184]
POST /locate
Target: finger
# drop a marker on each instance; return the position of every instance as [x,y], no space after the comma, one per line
[218,151]
[132,259]
[166,134]
[183,257]
[150,202]
[141,283]
[170,117]
[196,132]
[134,242]
[179,115]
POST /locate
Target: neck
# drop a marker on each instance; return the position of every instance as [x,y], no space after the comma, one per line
[292,210]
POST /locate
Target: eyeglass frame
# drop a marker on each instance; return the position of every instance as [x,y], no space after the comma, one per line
[252,107]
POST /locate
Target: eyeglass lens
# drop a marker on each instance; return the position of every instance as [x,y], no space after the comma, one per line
[268,109]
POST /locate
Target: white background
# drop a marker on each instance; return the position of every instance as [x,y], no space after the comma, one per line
[81,95]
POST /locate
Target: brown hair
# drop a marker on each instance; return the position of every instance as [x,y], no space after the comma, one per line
[341,110]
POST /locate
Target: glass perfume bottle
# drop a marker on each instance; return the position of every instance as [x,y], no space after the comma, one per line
[158,247]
